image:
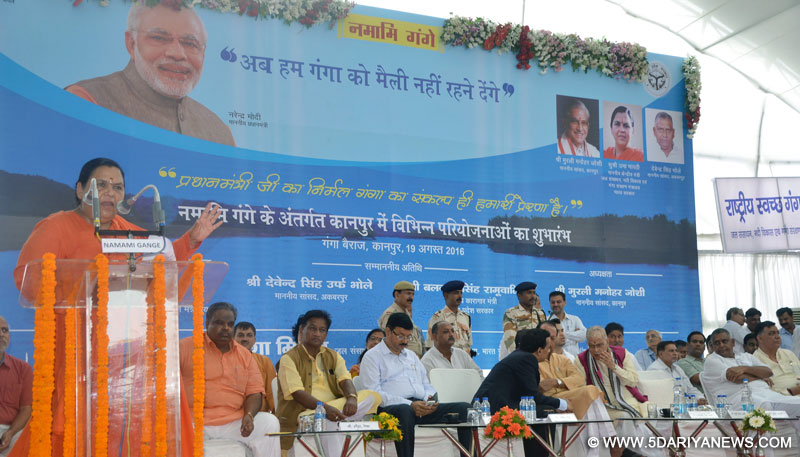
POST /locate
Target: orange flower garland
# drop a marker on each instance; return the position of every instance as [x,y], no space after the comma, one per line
[145,449]
[70,344]
[160,324]
[44,344]
[101,427]
[198,356]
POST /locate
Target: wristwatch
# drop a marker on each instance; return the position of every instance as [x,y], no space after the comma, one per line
[560,383]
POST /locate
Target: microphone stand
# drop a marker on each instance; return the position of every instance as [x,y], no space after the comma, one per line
[158,218]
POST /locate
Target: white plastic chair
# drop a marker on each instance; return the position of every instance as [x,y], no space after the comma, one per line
[430,441]
[275,391]
[657,385]
[455,385]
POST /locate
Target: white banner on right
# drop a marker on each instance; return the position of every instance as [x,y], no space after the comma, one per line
[758,214]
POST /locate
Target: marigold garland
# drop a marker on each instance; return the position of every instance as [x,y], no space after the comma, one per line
[159,326]
[101,332]
[70,373]
[145,449]
[44,344]
[198,358]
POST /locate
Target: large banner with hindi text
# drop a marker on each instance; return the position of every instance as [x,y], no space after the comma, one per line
[348,158]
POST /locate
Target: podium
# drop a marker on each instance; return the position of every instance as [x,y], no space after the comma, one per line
[131,351]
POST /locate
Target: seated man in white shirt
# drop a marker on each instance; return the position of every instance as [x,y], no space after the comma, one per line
[667,356]
[647,355]
[444,354]
[726,371]
[736,329]
[396,373]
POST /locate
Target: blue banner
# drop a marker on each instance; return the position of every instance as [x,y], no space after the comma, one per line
[349,158]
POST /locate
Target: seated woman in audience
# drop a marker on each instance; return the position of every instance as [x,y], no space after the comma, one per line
[374,337]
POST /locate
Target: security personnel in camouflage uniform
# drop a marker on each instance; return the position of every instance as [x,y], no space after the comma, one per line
[461,321]
[527,314]
[403,297]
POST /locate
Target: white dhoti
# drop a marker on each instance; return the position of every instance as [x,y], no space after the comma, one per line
[368,402]
[629,428]
[259,445]
[3,429]
[771,400]
[596,411]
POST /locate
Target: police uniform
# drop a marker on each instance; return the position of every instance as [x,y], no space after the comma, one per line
[415,341]
[461,321]
[462,327]
[518,318]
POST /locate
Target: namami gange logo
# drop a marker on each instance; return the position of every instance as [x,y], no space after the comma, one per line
[658,79]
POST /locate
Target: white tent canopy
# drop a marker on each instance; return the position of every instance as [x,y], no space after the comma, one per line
[750,108]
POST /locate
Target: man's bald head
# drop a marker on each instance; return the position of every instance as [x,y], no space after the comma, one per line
[5,335]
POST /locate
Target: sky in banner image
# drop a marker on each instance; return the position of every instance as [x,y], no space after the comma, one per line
[345,164]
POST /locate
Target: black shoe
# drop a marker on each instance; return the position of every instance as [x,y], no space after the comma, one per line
[628,453]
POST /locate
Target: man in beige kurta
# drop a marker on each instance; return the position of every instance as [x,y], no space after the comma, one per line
[560,378]
[784,364]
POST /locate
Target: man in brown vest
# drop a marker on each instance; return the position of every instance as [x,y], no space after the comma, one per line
[167,47]
[311,373]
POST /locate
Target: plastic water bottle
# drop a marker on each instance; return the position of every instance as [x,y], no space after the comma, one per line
[677,398]
[531,409]
[486,414]
[523,407]
[721,406]
[319,417]
[747,397]
[476,404]
[693,402]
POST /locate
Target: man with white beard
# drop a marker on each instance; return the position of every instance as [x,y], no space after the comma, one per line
[167,45]
[561,379]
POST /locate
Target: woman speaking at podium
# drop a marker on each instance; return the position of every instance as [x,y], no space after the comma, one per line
[71,235]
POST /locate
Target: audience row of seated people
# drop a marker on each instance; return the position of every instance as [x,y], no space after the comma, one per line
[598,383]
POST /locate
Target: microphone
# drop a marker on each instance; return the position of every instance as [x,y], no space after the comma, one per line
[159,218]
[95,205]
[124,207]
